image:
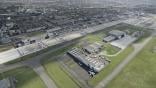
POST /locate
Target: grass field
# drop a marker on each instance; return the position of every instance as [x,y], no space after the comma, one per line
[5,47]
[140,73]
[26,78]
[56,72]
[110,50]
[91,38]
[107,70]
[98,37]
[60,76]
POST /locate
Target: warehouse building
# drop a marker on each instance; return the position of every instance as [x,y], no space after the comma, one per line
[114,35]
[93,48]
[94,63]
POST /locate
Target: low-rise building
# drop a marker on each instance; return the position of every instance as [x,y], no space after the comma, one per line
[93,63]
[118,34]
[93,48]
[114,35]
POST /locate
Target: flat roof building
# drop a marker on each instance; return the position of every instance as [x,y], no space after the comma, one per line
[93,63]
[109,38]
[114,35]
[93,48]
[118,34]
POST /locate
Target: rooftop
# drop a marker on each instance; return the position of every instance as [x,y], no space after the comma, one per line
[93,48]
[94,62]
[116,32]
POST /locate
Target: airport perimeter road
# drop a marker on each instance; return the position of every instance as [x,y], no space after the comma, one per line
[119,68]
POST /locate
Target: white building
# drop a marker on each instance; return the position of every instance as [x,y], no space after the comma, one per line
[93,63]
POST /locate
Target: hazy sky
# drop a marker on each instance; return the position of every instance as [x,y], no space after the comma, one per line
[132,2]
[126,2]
[137,1]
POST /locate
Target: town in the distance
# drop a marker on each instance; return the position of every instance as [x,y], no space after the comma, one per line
[77,44]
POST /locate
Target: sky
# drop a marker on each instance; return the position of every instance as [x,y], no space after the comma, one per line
[131,2]
[126,2]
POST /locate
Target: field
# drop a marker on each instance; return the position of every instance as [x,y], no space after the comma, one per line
[26,78]
[5,47]
[59,75]
[140,73]
[107,70]
[98,37]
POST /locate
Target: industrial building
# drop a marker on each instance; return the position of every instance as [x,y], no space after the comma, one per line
[93,48]
[94,63]
[114,35]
